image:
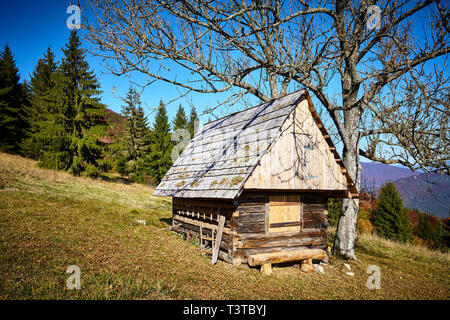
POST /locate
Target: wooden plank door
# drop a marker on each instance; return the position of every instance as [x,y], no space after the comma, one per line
[285,214]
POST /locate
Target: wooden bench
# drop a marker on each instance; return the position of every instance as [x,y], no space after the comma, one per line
[265,260]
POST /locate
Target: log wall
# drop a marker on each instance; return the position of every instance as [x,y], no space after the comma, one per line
[252,235]
[315,212]
[246,230]
[196,217]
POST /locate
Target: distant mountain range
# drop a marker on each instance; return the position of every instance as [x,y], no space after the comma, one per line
[428,193]
[375,174]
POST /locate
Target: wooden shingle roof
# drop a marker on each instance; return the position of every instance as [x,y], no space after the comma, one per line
[224,153]
[221,156]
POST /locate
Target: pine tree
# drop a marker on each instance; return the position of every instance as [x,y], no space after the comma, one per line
[193,123]
[131,152]
[41,85]
[390,218]
[161,145]
[14,104]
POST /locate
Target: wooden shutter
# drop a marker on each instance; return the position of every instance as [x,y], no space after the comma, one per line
[284,214]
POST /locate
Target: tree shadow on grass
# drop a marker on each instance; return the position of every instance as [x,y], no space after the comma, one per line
[371,251]
[167,221]
[116,179]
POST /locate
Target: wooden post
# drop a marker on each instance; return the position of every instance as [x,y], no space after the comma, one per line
[307,266]
[266,269]
[216,249]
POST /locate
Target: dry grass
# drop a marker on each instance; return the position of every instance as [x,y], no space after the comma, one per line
[50,220]
[17,173]
[413,251]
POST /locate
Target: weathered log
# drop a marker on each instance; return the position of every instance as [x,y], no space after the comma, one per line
[250,208]
[245,217]
[250,227]
[294,240]
[307,232]
[286,256]
[266,269]
[288,244]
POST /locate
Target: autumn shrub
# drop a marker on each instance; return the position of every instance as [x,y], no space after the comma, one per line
[363,213]
[364,226]
[422,242]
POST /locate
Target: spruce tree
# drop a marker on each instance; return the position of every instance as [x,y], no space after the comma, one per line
[390,218]
[54,134]
[334,210]
[425,229]
[14,105]
[435,234]
[143,142]
[131,152]
[193,123]
[41,85]
[181,135]
[180,121]
[78,119]
[161,145]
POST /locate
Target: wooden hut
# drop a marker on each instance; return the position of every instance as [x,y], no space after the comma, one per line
[252,187]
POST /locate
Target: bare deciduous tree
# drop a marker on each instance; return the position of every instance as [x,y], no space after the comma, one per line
[391,90]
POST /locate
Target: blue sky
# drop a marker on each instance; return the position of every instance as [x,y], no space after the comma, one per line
[29,27]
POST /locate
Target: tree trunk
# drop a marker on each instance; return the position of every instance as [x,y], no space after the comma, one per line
[344,241]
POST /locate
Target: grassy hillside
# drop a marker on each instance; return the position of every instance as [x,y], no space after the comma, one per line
[50,220]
